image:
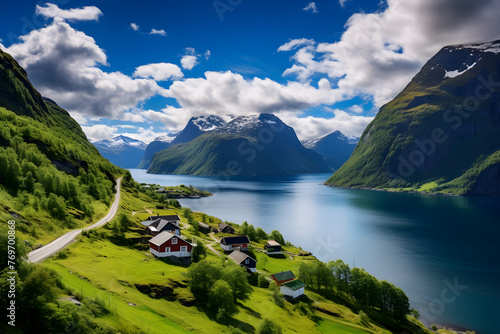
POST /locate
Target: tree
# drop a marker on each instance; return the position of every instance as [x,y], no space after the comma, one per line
[414,313]
[236,277]
[202,276]
[269,327]
[243,228]
[221,296]
[56,206]
[199,251]
[262,281]
[261,234]
[276,236]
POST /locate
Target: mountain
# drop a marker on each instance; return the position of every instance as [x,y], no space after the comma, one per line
[160,143]
[440,134]
[122,151]
[335,147]
[195,127]
[51,177]
[247,145]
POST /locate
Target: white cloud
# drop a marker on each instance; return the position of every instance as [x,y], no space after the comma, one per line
[188,62]
[294,43]
[63,64]
[190,59]
[356,109]
[160,32]
[99,132]
[134,26]
[312,7]
[207,53]
[315,127]
[87,13]
[343,2]
[159,71]
[224,93]
[379,53]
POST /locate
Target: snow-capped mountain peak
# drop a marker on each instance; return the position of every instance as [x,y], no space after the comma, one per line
[121,141]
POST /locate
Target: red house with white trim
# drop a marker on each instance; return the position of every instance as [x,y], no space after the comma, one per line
[167,244]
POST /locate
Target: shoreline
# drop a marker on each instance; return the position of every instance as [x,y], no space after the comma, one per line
[398,191]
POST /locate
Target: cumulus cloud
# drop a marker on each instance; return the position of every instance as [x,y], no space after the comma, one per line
[312,7]
[99,132]
[63,64]
[87,13]
[134,26]
[224,93]
[380,52]
[311,127]
[190,59]
[160,32]
[159,71]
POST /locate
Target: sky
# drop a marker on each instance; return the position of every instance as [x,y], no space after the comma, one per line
[143,68]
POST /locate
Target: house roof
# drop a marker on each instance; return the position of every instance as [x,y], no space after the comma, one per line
[235,240]
[163,237]
[162,224]
[295,285]
[272,243]
[166,217]
[283,276]
[239,257]
[224,225]
[203,225]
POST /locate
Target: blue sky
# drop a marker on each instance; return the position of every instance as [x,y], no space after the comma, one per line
[143,68]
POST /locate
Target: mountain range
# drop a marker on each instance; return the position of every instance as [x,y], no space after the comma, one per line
[122,151]
[335,147]
[441,134]
[246,145]
[195,127]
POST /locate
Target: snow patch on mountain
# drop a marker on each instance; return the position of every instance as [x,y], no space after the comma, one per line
[493,47]
[456,73]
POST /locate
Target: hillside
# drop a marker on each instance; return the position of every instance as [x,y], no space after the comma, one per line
[51,177]
[441,134]
[122,151]
[144,294]
[247,145]
[335,147]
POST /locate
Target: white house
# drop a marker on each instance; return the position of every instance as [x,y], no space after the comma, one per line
[293,289]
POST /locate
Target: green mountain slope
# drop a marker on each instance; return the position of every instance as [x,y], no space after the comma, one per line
[440,134]
[248,145]
[51,177]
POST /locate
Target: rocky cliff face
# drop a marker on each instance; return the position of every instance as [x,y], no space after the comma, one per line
[441,131]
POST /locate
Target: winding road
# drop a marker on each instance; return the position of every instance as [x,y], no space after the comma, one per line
[50,249]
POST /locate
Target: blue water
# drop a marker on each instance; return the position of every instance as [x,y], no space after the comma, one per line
[444,252]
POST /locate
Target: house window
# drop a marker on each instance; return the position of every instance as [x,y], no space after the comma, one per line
[184,249]
[247,261]
[167,249]
[174,241]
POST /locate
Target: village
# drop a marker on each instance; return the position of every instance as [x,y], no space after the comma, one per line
[168,242]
